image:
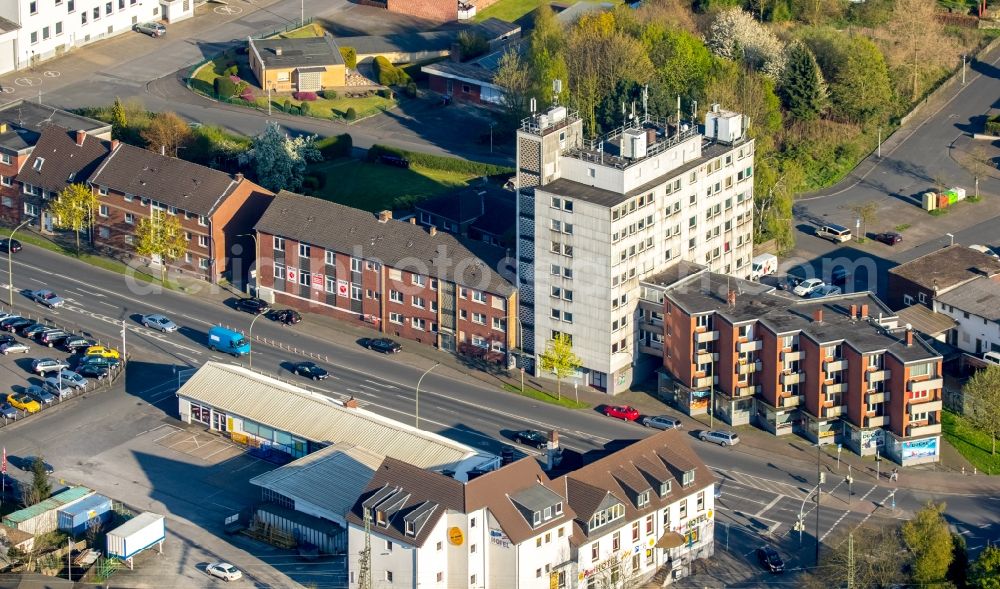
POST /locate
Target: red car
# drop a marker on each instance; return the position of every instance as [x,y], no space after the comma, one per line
[623,412]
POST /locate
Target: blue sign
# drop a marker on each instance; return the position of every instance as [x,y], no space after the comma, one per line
[920,448]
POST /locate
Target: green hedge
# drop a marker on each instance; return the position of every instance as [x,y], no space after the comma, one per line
[439,162]
[350,56]
[224,87]
[993,125]
[334,147]
[388,74]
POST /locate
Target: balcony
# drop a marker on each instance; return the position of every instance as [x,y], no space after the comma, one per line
[701,337]
[704,382]
[703,357]
[792,356]
[749,367]
[872,398]
[876,421]
[832,411]
[927,406]
[790,401]
[750,346]
[832,389]
[747,391]
[654,348]
[834,365]
[923,430]
[792,377]
[919,386]
[878,376]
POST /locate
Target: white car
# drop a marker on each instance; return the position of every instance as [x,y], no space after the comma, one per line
[806,287]
[224,571]
[13,348]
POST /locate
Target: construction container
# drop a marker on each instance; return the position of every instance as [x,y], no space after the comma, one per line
[930,201]
[76,518]
[942,201]
[43,517]
[136,535]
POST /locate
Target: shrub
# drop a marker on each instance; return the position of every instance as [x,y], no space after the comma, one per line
[386,73]
[334,147]
[247,94]
[993,125]
[438,162]
[411,90]
[472,45]
[351,114]
[350,56]
[304,108]
[232,70]
[310,183]
[287,107]
[304,96]
[330,94]
[385,93]
[224,87]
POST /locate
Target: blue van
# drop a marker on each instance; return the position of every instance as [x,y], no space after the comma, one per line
[228,341]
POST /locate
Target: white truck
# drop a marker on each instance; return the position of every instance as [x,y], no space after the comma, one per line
[763,265]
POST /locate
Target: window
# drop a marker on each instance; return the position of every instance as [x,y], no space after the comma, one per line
[472,522]
[595,551]
[203,240]
[355,292]
[279,270]
[103,210]
[396,318]
[282,76]
[701,501]
[499,324]
[108,8]
[419,303]
[643,499]
[479,318]
[920,370]
[559,508]
[472,548]
[649,524]
[129,218]
[388,576]
[355,265]
[129,240]
[70,5]
[121,4]
[45,32]
[6,181]
[304,250]
[472,579]
[440,545]
[395,296]
[440,576]
[329,256]
[616,541]
[479,296]
[418,280]
[538,573]
[388,545]
[279,244]
[97,12]
[463,293]
[33,7]
[688,477]
[635,531]
[305,278]
[8,202]
[684,508]
[83,17]
[203,263]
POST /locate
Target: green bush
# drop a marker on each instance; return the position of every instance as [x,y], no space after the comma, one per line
[411,90]
[304,109]
[385,93]
[224,87]
[232,70]
[385,72]
[993,125]
[333,147]
[350,56]
[472,45]
[351,114]
[287,107]
[438,162]
[330,94]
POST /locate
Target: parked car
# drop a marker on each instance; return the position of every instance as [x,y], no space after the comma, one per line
[9,246]
[158,322]
[24,402]
[74,379]
[661,422]
[719,437]
[57,388]
[93,371]
[770,559]
[12,325]
[41,394]
[623,412]
[807,286]
[14,348]
[255,306]
[53,338]
[75,343]
[224,571]
[8,320]
[43,365]
[6,338]
[153,29]
[381,344]
[826,290]
[46,297]
[889,237]
[286,316]
[32,330]
[985,250]
[311,370]
[531,437]
[103,352]
[110,363]
[835,233]
[7,411]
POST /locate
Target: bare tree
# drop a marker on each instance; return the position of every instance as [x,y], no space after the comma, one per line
[919,41]
[514,78]
[865,212]
[880,558]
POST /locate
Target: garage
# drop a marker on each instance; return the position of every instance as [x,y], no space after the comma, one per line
[310,79]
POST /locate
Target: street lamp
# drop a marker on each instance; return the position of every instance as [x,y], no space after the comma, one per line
[416,410]
[951,238]
[256,261]
[10,263]
[250,337]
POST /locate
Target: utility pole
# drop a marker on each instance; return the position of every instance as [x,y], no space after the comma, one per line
[711,391]
[819,495]
[364,562]
[850,561]
[963,69]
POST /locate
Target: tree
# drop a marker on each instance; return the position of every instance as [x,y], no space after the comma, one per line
[118,120]
[166,133]
[546,55]
[514,79]
[866,213]
[472,44]
[878,547]
[279,160]
[74,209]
[918,37]
[160,236]
[929,541]
[985,572]
[683,66]
[983,393]
[803,90]
[40,487]
[862,88]
[559,359]
[736,36]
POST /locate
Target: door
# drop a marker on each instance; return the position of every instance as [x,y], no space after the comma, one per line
[219,421]
[979,346]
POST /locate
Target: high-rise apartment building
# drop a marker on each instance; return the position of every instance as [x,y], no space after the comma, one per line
[595,217]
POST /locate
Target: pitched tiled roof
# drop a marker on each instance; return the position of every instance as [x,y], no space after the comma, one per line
[403,492]
[63,162]
[947,267]
[165,179]
[394,243]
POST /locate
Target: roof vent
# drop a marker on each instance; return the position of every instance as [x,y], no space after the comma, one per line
[277,50]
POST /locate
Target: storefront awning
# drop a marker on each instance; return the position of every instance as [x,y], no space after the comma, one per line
[670,540]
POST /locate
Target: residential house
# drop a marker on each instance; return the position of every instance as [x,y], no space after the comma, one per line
[401,279]
[470,81]
[481,213]
[839,369]
[297,64]
[975,310]
[21,125]
[217,210]
[436,10]
[921,280]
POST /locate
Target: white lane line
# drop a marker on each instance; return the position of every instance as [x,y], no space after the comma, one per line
[356,391]
[108,304]
[90,292]
[364,386]
[768,506]
[381,384]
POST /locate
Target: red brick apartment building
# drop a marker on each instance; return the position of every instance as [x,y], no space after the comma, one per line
[217,210]
[399,278]
[835,370]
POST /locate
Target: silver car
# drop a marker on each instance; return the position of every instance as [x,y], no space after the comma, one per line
[46,297]
[72,379]
[153,29]
[14,348]
[39,394]
[661,422]
[158,322]
[720,437]
[43,365]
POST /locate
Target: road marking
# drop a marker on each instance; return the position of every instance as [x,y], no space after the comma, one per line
[90,292]
[364,386]
[108,304]
[381,384]
[768,506]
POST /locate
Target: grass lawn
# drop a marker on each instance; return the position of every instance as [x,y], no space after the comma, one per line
[310,30]
[376,187]
[971,443]
[511,10]
[325,108]
[566,401]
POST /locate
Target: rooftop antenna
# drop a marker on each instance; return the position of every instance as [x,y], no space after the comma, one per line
[533,106]
[677,130]
[556,90]
[633,112]
[645,103]
[624,116]
[694,113]
[600,150]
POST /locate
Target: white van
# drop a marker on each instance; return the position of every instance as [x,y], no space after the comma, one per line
[763,265]
[992,357]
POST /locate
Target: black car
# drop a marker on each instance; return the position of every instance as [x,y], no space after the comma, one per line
[310,370]
[12,326]
[889,238]
[9,320]
[531,437]
[8,246]
[286,316]
[75,343]
[97,371]
[770,559]
[32,330]
[255,306]
[110,363]
[381,344]
[53,338]
[7,338]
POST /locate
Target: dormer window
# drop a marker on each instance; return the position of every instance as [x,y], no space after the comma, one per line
[643,499]
[102,190]
[38,164]
[548,513]
[688,477]
[411,530]
[380,519]
[537,518]
[664,488]
[559,508]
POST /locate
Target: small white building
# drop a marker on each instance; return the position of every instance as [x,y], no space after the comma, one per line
[975,308]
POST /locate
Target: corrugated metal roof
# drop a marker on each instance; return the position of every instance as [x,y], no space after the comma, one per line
[135,524]
[85,505]
[286,407]
[331,479]
[54,502]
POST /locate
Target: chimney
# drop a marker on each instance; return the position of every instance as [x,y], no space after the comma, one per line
[506,456]
[864,311]
[553,453]
[238,176]
[80,136]
[909,336]
[277,50]
[854,312]
[351,403]
[818,315]
[432,230]
[114,144]
[3,128]
[384,216]
[413,220]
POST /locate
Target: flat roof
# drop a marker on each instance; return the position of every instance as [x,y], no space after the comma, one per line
[298,52]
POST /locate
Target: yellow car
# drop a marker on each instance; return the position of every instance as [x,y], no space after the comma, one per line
[102,352]
[23,402]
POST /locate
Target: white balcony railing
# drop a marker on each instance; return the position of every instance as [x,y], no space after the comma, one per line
[931,384]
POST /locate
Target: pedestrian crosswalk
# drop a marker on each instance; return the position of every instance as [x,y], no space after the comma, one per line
[755,482]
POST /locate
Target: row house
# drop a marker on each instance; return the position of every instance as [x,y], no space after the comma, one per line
[21,126]
[397,277]
[216,210]
[616,522]
[836,370]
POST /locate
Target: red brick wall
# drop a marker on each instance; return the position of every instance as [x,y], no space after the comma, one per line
[770,361]
[235,217]
[459,90]
[678,341]
[14,212]
[467,328]
[439,10]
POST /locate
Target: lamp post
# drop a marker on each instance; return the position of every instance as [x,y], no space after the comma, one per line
[10,263]
[711,392]
[520,349]
[951,239]
[256,261]
[250,337]
[820,478]
[416,410]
